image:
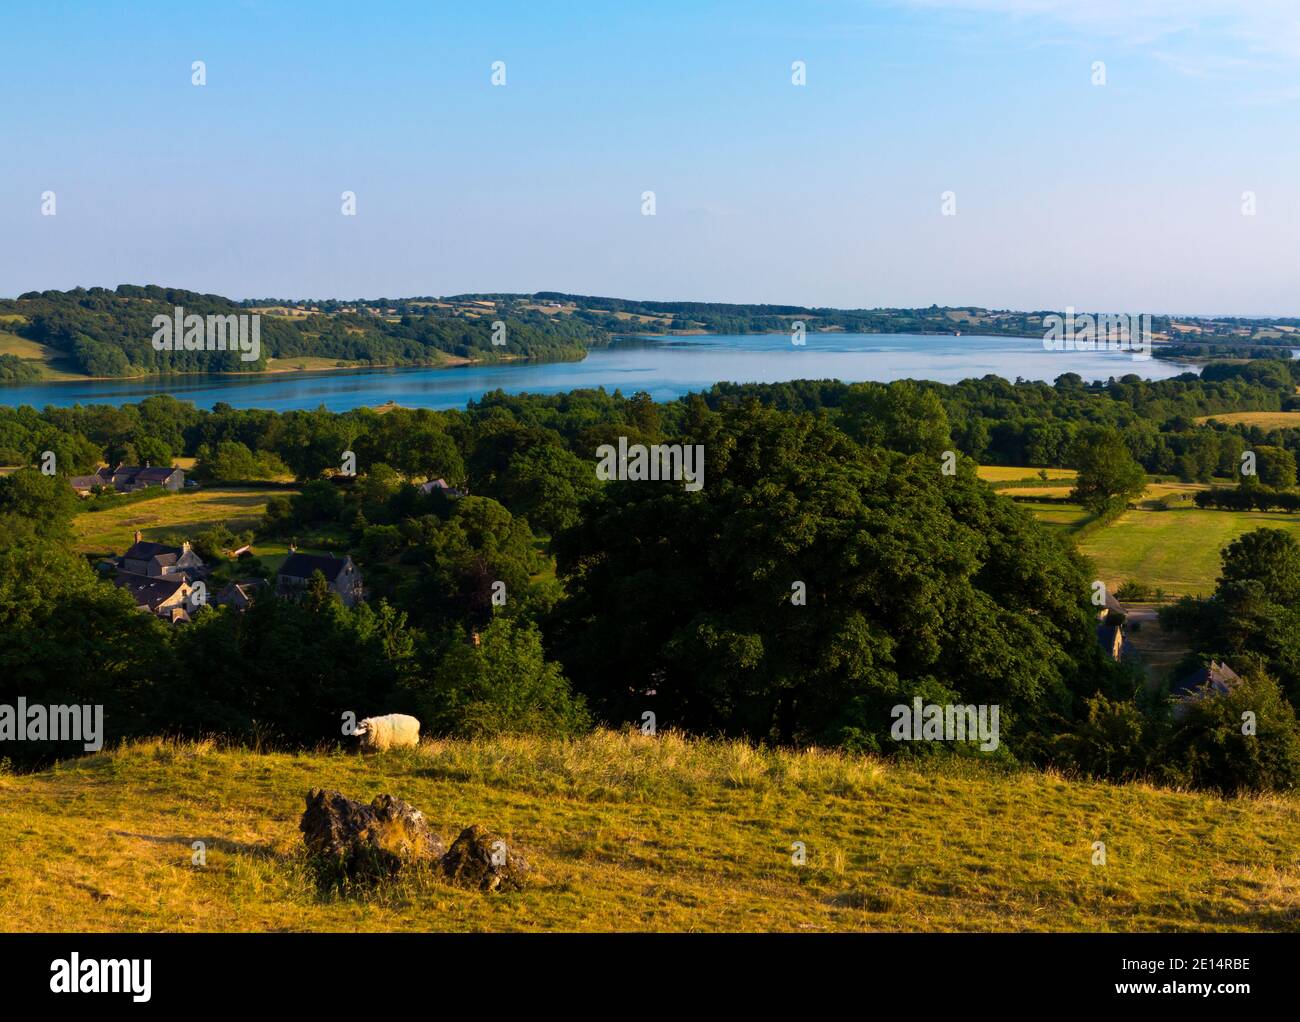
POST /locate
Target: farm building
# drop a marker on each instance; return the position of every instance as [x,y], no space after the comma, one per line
[129,478]
[158,560]
[340,573]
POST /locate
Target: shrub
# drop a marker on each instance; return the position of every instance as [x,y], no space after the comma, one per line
[503,685]
[1136,592]
[1108,744]
[1210,746]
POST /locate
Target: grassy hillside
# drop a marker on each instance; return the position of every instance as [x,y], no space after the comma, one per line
[50,364]
[636,833]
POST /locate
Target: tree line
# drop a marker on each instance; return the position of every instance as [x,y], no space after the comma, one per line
[829,570]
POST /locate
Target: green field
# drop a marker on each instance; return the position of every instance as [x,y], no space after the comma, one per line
[1063,516]
[180,514]
[627,832]
[1177,550]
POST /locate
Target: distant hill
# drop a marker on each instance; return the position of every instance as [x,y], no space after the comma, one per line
[107,333]
[638,833]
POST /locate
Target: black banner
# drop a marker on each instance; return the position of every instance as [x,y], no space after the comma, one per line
[151,972]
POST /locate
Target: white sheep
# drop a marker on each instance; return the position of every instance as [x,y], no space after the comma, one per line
[392,731]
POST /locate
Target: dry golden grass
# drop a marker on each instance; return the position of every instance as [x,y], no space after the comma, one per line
[1017,473]
[634,833]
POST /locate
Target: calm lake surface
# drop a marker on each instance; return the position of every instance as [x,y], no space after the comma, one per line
[665,368]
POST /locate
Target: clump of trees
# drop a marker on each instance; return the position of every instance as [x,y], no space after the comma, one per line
[1248,498]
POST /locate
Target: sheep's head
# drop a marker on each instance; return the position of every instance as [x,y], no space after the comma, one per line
[362,728]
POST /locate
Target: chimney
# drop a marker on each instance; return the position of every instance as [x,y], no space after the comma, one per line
[293,548]
[478,639]
[185,547]
[138,535]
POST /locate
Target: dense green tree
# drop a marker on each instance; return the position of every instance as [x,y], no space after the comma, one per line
[810,586]
[1108,477]
[1245,740]
[66,638]
[1275,467]
[48,502]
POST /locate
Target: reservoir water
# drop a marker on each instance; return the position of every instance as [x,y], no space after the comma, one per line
[665,368]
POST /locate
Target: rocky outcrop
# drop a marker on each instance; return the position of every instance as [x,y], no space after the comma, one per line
[482,860]
[348,840]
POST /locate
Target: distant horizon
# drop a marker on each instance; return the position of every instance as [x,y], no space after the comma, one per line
[395,296]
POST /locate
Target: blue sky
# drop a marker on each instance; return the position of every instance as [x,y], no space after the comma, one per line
[1123,197]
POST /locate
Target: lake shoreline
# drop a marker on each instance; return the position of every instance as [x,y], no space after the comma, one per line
[665,366]
[451,362]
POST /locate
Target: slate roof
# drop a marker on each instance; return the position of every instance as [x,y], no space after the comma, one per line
[132,474]
[147,591]
[303,565]
[1217,677]
[145,550]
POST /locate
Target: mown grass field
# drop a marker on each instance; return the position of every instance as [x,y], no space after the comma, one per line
[1016,473]
[1176,550]
[1061,516]
[628,832]
[180,514]
[1264,420]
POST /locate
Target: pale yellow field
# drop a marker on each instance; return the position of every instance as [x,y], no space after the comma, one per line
[1010,473]
[1037,491]
[46,359]
[282,311]
[12,344]
[1264,420]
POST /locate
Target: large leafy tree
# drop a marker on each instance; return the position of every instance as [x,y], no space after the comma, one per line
[688,604]
[287,669]
[1108,476]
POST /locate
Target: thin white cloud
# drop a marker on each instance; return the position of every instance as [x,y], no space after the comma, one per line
[1196,36]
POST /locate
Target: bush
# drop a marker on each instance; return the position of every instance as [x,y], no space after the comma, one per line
[503,685]
[1108,744]
[1135,592]
[1210,749]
